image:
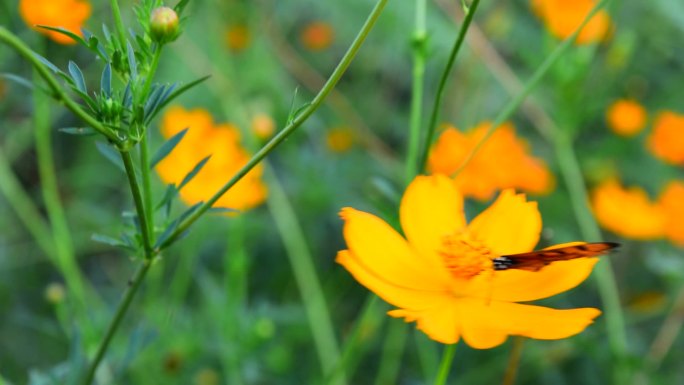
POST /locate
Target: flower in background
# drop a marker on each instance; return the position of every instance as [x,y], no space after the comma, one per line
[263,126]
[626,117]
[442,276]
[563,17]
[238,37]
[317,36]
[502,162]
[666,141]
[672,202]
[67,14]
[339,139]
[204,138]
[628,212]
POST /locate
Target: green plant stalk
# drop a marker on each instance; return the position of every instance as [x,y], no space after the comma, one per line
[605,278]
[290,127]
[58,92]
[118,21]
[445,365]
[427,355]
[434,116]
[419,43]
[63,244]
[514,361]
[304,270]
[392,352]
[133,286]
[139,204]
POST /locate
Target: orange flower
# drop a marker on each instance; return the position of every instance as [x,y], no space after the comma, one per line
[627,212]
[626,117]
[503,162]
[339,139]
[562,17]
[263,126]
[238,37]
[672,202]
[317,36]
[442,276]
[222,142]
[68,14]
[666,141]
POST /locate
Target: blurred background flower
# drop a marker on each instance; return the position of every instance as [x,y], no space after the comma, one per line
[67,14]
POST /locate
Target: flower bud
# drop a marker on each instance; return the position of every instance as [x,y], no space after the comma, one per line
[164,25]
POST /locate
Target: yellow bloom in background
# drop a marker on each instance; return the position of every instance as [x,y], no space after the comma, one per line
[503,162]
[340,139]
[626,117]
[263,126]
[666,141]
[442,276]
[672,202]
[222,142]
[238,37]
[628,212]
[317,36]
[68,14]
[562,17]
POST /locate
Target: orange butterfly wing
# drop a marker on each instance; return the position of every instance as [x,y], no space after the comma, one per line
[535,260]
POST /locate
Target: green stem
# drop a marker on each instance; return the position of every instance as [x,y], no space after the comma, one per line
[445,365]
[513,361]
[419,43]
[291,126]
[133,286]
[305,275]
[392,352]
[138,201]
[58,92]
[434,116]
[118,21]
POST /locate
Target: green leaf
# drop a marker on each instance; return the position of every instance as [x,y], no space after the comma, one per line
[111,241]
[224,210]
[77,75]
[79,131]
[176,94]
[66,32]
[48,64]
[111,154]
[132,64]
[167,199]
[94,44]
[106,80]
[167,147]
[194,172]
[19,80]
[174,225]
[180,7]
[153,100]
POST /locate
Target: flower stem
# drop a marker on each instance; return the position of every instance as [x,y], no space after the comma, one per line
[133,286]
[290,127]
[138,201]
[514,361]
[667,334]
[445,365]
[392,352]
[419,43]
[118,21]
[434,116]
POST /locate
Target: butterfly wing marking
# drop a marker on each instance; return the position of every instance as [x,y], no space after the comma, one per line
[535,260]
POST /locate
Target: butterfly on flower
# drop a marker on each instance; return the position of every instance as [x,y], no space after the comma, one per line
[535,260]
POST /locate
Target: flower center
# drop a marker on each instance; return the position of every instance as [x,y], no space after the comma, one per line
[466,256]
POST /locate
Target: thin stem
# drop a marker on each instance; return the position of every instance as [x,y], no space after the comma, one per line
[392,352]
[445,365]
[291,126]
[434,116]
[139,204]
[133,286]
[667,334]
[58,92]
[514,361]
[118,21]
[419,43]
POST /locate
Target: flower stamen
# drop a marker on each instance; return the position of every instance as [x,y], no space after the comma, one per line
[465,256]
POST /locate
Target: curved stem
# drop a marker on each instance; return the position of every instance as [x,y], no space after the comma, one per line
[291,126]
[445,365]
[434,116]
[513,361]
[419,42]
[57,91]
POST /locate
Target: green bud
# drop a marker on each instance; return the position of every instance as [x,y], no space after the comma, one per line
[164,25]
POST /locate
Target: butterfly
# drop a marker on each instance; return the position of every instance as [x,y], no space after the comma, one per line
[535,260]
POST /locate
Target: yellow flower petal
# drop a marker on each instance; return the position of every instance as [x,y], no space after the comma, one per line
[382,251]
[388,291]
[486,325]
[441,322]
[511,225]
[431,209]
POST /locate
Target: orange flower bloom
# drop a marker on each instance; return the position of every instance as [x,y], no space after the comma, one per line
[68,14]
[666,141]
[627,212]
[562,17]
[222,142]
[442,276]
[626,117]
[317,36]
[503,162]
[238,37]
[339,139]
[672,202]
[263,126]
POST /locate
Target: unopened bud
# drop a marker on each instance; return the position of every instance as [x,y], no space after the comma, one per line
[55,293]
[164,25]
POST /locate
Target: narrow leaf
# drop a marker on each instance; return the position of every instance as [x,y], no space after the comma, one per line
[224,210]
[48,64]
[167,147]
[194,172]
[132,64]
[169,194]
[177,93]
[106,80]
[66,32]
[79,131]
[153,99]
[111,241]
[174,225]
[111,154]
[19,80]
[77,75]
